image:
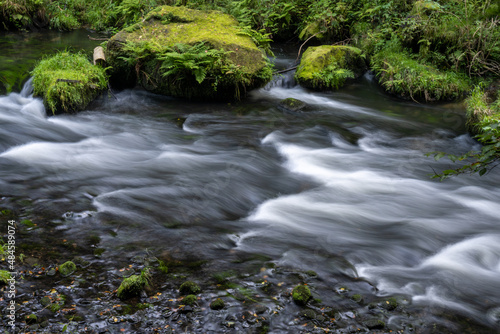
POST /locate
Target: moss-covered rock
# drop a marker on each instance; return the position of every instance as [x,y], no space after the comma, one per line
[67,82]
[301,294]
[189,300]
[131,286]
[189,288]
[291,104]
[217,304]
[188,53]
[67,268]
[328,66]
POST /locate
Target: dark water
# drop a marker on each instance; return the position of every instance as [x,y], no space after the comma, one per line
[347,179]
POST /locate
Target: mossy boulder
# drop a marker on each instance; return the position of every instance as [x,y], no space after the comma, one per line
[329,66]
[189,300]
[189,288]
[67,82]
[292,105]
[67,268]
[131,286]
[188,53]
[217,304]
[301,295]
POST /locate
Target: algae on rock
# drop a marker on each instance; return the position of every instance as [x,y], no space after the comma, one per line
[68,82]
[328,66]
[188,53]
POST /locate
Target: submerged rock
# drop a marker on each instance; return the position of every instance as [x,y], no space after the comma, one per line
[68,82]
[188,53]
[328,66]
[291,104]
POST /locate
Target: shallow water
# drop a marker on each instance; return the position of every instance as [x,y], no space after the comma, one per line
[348,179]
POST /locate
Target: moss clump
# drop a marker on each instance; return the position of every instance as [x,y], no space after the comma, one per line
[31,319]
[67,82]
[131,286]
[4,277]
[328,66]
[67,268]
[408,78]
[390,304]
[188,53]
[189,300]
[189,288]
[301,294]
[217,304]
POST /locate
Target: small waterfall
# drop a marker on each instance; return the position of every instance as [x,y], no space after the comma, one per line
[27,88]
[284,80]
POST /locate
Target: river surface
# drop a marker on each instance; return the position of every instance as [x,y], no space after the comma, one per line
[341,188]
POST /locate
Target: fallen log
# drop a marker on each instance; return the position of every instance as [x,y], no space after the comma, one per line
[99,58]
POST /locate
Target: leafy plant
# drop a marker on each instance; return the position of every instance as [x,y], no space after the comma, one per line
[198,60]
[332,76]
[484,119]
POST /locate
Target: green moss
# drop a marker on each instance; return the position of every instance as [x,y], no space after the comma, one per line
[4,277]
[408,78]
[86,82]
[390,304]
[189,300]
[358,298]
[328,66]
[67,268]
[189,288]
[31,319]
[301,294]
[133,285]
[217,304]
[175,35]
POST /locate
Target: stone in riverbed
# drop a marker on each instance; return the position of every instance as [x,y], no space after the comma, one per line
[188,53]
[292,105]
[329,66]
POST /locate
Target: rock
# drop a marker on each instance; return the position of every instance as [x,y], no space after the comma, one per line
[189,288]
[189,300]
[374,324]
[301,294]
[217,304]
[67,268]
[67,82]
[292,105]
[187,53]
[328,66]
[131,286]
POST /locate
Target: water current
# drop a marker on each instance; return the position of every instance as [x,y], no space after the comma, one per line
[341,188]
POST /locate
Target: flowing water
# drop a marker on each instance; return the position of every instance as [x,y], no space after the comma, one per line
[342,188]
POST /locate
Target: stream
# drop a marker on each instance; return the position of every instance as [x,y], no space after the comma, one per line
[343,189]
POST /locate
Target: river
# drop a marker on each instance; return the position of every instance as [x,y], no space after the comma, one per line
[342,188]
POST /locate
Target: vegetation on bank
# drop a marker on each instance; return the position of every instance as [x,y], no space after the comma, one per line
[483,115]
[67,82]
